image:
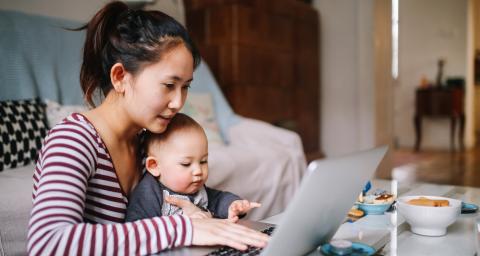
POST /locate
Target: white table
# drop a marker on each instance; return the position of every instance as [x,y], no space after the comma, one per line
[380,231]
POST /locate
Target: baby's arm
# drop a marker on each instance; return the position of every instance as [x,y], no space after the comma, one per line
[219,202]
[146,200]
[228,205]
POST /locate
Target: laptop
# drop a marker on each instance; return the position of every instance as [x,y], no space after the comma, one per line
[320,205]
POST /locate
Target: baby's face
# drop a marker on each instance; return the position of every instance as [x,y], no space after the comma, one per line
[183,161]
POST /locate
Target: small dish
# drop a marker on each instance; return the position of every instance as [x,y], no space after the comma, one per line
[373,209]
[469,208]
[357,250]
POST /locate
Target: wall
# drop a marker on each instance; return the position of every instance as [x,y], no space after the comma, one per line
[428,30]
[347,75]
[83,10]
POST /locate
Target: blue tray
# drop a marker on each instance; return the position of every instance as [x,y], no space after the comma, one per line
[358,249]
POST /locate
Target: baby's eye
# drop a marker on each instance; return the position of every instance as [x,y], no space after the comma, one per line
[203,162]
[185,164]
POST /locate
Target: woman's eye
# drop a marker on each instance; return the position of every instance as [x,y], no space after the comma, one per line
[185,164]
[169,85]
[186,87]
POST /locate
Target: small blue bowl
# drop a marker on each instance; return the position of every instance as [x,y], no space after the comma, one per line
[373,209]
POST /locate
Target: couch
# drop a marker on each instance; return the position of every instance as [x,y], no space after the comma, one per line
[41,60]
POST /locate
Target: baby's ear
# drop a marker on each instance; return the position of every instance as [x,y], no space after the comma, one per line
[152,166]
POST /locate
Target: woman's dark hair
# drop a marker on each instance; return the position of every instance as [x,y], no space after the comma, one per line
[118,34]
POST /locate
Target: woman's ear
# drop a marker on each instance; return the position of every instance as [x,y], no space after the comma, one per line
[152,166]
[118,76]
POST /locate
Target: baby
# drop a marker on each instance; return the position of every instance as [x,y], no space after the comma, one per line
[178,169]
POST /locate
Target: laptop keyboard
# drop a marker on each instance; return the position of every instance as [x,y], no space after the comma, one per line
[250,251]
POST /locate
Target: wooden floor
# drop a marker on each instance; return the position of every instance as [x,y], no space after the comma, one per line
[441,167]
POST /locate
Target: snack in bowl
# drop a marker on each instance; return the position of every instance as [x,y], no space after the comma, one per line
[426,218]
[423,201]
[376,203]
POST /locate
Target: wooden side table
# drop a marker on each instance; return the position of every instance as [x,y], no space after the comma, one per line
[440,102]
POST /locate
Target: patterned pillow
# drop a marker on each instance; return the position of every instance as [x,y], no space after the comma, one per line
[199,106]
[22,128]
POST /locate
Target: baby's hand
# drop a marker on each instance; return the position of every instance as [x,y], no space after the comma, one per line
[239,207]
[189,209]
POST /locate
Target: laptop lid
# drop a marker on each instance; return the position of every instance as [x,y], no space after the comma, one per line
[318,208]
[322,202]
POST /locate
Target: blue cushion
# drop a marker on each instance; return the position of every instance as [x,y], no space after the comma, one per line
[39,58]
[204,82]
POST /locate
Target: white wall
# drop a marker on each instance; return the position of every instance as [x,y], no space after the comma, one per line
[347,77]
[83,10]
[428,30]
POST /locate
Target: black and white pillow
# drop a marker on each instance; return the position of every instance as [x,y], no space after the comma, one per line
[23,127]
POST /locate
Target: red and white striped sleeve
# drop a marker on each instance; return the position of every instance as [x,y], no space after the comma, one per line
[66,162]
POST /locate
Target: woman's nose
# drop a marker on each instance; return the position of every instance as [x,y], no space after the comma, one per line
[176,101]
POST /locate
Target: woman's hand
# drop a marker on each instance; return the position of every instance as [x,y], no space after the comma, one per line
[224,232]
[189,209]
[239,207]
[210,231]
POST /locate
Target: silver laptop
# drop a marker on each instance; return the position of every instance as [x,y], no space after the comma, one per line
[326,194]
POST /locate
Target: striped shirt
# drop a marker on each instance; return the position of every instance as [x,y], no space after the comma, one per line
[79,207]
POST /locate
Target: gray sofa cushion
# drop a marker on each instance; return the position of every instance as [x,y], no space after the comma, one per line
[15,206]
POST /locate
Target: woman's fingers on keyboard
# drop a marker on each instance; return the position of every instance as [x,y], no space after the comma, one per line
[247,236]
[223,232]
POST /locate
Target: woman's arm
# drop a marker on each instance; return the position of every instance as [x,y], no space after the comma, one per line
[57,218]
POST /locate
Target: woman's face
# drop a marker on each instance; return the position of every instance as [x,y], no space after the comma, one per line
[159,91]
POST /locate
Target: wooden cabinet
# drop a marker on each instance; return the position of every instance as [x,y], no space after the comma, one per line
[440,102]
[265,56]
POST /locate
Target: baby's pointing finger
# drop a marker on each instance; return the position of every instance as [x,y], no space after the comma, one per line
[255,205]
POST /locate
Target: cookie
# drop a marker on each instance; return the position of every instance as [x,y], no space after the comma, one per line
[423,201]
[355,213]
[382,199]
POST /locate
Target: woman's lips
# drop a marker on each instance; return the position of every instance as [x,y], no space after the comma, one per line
[166,117]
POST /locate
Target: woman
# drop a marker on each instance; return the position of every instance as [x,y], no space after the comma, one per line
[142,62]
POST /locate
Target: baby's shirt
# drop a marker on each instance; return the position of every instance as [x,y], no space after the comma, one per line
[200,199]
[147,200]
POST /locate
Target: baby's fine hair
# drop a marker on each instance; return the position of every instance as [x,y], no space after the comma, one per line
[179,122]
[134,38]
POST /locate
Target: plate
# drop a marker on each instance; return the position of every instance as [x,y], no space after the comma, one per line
[358,249]
[469,208]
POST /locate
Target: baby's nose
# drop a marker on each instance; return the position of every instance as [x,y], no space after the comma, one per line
[196,171]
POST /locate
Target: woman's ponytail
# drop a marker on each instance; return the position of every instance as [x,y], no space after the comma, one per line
[100,30]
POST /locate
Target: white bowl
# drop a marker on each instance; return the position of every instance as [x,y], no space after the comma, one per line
[429,220]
